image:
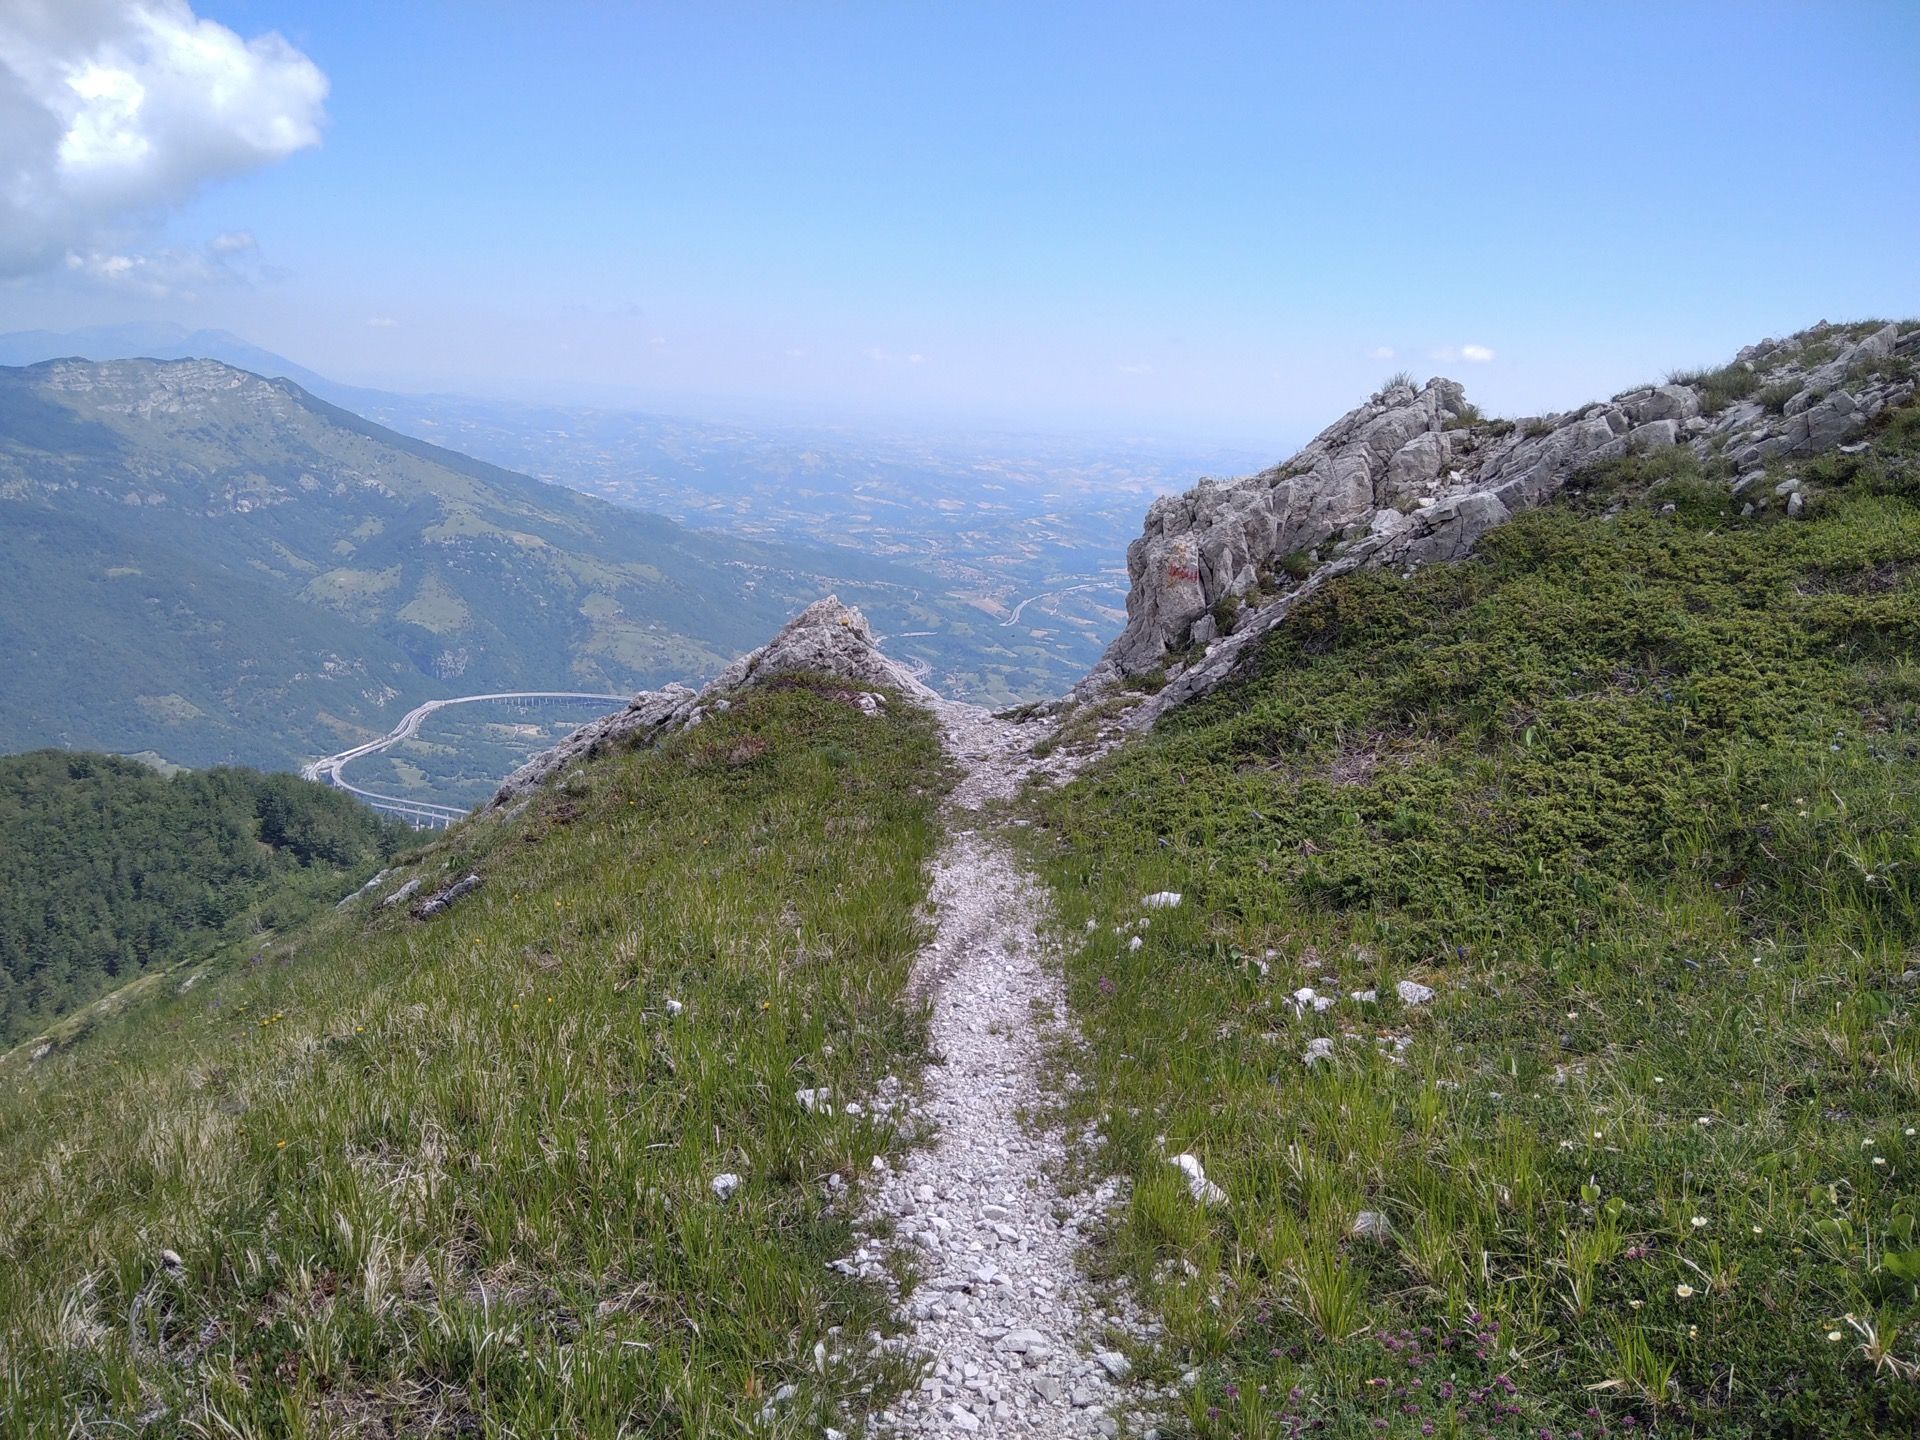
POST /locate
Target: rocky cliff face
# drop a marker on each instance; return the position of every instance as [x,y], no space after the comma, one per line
[1415,476]
[827,638]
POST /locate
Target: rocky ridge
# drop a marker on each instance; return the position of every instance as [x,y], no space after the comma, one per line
[827,637]
[1416,476]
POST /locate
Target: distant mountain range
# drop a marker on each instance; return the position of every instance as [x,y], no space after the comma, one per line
[998,526]
[213,566]
[166,341]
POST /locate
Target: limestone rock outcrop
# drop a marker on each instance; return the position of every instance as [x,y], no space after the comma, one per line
[1219,542]
[826,638]
[1416,476]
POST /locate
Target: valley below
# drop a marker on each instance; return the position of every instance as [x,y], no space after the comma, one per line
[430,780]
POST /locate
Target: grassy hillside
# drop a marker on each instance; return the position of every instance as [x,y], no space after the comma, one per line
[1635,793]
[109,870]
[454,1175]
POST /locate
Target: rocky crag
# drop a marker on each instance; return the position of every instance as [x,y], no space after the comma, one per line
[826,638]
[1416,476]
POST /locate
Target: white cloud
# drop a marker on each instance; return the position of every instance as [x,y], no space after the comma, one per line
[1136,369]
[381,322]
[114,111]
[880,355]
[1381,352]
[170,272]
[1478,354]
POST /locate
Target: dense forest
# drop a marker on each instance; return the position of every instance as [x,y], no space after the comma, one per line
[108,868]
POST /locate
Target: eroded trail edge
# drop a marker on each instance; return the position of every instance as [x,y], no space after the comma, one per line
[1013,1339]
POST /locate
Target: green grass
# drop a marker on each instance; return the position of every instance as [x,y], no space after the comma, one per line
[1636,793]
[1719,388]
[453,1175]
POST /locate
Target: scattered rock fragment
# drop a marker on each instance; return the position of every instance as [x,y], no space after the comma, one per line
[1371,1225]
[1412,992]
[366,889]
[442,900]
[1198,1185]
[724,1185]
[405,893]
[1161,900]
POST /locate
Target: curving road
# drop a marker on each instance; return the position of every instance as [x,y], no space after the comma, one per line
[327,770]
[1014,618]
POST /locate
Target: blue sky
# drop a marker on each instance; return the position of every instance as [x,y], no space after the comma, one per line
[1206,219]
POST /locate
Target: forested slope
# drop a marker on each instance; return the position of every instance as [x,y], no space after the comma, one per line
[108,869]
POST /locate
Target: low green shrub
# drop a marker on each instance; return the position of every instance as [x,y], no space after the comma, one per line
[1637,795]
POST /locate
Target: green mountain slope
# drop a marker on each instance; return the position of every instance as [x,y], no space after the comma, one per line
[210,565]
[109,870]
[1635,793]
[455,1174]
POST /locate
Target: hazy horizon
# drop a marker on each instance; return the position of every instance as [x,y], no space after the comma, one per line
[1227,226]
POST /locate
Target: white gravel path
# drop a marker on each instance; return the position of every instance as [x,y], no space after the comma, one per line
[1013,1341]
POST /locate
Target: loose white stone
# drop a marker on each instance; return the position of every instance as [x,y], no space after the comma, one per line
[724,1185]
[1161,900]
[1371,1225]
[1412,992]
[1198,1185]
